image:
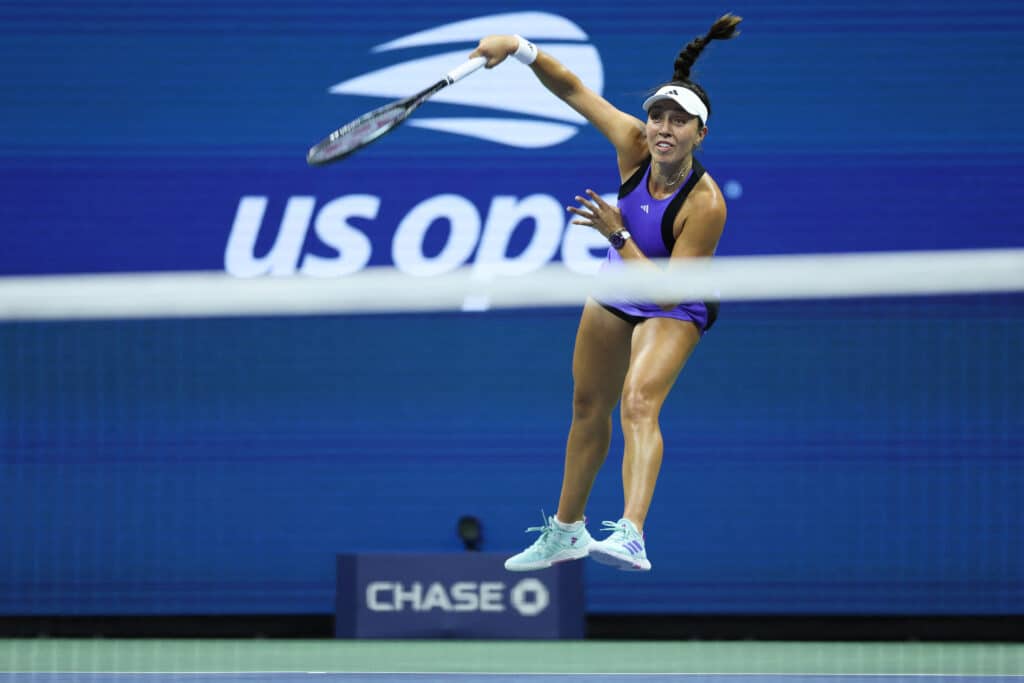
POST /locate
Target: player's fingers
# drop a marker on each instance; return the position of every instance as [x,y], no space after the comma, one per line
[484,49]
[586,202]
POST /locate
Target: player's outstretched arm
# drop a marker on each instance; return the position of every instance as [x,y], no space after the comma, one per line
[625,132]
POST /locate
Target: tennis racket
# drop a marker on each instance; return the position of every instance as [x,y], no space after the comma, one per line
[377,123]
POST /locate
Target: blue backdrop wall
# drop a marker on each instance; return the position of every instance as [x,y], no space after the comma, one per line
[852,457]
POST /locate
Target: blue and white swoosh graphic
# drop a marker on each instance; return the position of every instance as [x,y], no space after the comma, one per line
[542,120]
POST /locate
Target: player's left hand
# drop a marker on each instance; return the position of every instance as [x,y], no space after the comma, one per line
[596,213]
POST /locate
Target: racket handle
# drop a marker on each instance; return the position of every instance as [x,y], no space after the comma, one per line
[466,68]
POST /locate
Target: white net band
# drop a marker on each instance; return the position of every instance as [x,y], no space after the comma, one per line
[383,289]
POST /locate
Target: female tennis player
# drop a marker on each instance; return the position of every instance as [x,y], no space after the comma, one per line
[629,351]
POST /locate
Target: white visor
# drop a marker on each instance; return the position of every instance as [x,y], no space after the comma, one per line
[684,97]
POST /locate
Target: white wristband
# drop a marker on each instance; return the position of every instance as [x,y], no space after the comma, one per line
[526,52]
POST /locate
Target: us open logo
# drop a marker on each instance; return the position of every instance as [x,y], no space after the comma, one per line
[538,118]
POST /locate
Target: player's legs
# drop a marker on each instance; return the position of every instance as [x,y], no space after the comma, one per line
[600,362]
[660,348]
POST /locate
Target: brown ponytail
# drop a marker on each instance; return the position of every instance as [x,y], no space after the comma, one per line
[723,29]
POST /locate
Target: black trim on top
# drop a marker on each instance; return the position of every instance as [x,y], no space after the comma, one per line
[668,218]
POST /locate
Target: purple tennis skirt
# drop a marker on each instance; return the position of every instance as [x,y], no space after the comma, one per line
[701,313]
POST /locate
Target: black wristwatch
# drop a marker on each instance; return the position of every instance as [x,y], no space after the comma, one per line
[618,238]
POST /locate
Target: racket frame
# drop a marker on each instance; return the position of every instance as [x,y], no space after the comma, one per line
[333,148]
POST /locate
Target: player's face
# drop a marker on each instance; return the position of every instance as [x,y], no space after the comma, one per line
[672,132]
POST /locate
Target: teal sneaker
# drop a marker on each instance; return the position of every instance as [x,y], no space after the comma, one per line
[623,549]
[553,546]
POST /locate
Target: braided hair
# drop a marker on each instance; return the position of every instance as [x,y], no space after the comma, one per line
[723,29]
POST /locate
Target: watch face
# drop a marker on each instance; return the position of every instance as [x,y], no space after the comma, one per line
[617,240]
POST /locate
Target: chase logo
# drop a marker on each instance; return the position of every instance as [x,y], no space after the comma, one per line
[521,112]
[528,597]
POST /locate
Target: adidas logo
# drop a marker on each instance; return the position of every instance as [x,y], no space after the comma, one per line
[531,116]
[634,547]
[646,208]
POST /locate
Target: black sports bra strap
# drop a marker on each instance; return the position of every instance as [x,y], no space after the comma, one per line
[634,179]
[668,219]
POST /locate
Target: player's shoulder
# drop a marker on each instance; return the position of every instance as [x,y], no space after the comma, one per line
[706,199]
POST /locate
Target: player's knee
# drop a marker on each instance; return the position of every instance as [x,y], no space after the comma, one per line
[590,405]
[639,405]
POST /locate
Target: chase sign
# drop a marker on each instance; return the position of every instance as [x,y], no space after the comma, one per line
[454,595]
